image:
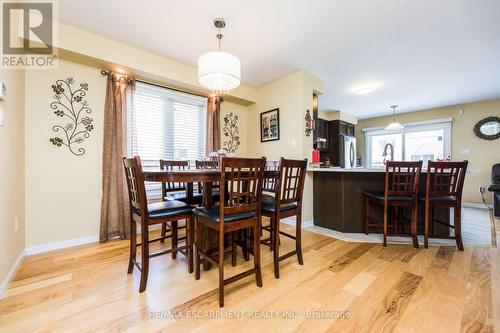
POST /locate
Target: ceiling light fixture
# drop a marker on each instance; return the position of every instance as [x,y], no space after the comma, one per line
[364,88]
[394,125]
[219,71]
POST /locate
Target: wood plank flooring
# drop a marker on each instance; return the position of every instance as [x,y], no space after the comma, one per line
[393,289]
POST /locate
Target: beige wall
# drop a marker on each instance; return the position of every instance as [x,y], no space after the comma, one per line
[12,170]
[293,95]
[63,191]
[483,153]
[242,112]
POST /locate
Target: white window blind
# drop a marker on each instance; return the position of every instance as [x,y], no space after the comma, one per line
[165,124]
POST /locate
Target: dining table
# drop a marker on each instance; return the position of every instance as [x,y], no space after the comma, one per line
[190,176]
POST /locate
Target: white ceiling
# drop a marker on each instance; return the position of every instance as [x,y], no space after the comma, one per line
[420,53]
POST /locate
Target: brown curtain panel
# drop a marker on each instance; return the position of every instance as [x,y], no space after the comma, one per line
[213,124]
[115,213]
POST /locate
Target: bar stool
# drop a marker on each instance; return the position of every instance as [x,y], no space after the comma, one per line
[176,191]
[241,210]
[147,215]
[401,190]
[445,182]
[287,188]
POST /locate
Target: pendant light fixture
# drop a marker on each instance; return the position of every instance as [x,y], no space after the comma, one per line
[219,71]
[394,125]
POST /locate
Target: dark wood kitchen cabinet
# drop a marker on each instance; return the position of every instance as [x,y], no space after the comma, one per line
[321,133]
[331,131]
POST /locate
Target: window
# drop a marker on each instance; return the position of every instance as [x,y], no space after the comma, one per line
[428,140]
[165,124]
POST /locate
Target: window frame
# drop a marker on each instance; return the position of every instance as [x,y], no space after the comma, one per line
[436,124]
[169,98]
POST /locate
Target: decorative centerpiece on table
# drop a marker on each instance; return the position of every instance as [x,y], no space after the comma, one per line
[216,156]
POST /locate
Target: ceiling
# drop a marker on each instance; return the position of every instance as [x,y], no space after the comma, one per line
[418,54]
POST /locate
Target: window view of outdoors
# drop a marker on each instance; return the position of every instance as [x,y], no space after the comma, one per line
[378,143]
[424,145]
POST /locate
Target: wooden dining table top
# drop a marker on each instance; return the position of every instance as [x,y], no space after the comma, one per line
[190,175]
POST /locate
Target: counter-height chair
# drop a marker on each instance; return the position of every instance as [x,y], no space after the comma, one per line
[445,182]
[285,202]
[150,214]
[268,189]
[210,164]
[176,191]
[239,211]
[401,190]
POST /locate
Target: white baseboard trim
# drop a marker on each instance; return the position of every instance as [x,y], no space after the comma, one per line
[61,245]
[476,205]
[291,221]
[11,273]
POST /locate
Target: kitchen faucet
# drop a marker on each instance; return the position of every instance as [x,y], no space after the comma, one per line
[388,145]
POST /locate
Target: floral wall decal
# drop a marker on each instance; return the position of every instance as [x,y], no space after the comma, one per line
[231,133]
[72,107]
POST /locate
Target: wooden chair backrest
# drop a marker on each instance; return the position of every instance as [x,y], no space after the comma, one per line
[170,165]
[243,179]
[269,183]
[290,181]
[401,178]
[446,178]
[210,164]
[135,184]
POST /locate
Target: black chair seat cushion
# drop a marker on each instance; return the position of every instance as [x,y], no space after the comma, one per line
[268,203]
[380,196]
[197,197]
[166,209]
[212,213]
[438,198]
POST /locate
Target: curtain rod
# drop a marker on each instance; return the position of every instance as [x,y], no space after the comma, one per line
[105,73]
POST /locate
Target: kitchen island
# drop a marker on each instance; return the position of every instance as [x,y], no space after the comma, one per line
[339,202]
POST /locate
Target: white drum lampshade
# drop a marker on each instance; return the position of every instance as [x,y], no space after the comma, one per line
[219,71]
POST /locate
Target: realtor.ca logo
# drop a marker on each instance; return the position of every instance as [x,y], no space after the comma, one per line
[28,35]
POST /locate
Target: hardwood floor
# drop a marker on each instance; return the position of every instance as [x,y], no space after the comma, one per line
[397,288]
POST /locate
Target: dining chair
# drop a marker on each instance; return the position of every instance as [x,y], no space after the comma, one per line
[241,210]
[208,164]
[287,188]
[445,181]
[401,190]
[176,191]
[150,214]
[269,183]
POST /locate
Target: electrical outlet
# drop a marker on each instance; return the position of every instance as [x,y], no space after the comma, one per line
[16,224]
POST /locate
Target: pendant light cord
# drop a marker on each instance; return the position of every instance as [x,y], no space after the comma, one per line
[219,37]
[394,113]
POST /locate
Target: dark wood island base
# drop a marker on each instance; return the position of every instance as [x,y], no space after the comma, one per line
[339,202]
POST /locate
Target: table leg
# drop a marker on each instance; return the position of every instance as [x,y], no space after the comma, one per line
[207,240]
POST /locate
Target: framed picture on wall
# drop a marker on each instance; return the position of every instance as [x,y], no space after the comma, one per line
[270,125]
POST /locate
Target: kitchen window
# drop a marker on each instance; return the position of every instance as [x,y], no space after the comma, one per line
[165,124]
[426,140]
